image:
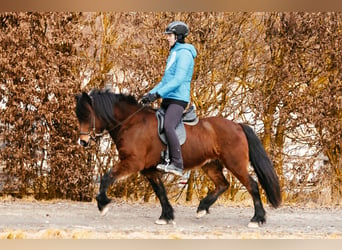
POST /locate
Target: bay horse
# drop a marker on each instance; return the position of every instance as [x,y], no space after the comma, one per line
[213,144]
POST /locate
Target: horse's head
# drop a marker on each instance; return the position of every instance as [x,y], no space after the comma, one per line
[95,113]
[89,123]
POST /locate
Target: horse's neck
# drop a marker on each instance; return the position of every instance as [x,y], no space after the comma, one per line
[124,111]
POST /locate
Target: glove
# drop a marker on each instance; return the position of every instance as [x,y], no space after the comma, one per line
[148,98]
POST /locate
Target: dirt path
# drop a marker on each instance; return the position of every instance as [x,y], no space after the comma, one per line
[65,219]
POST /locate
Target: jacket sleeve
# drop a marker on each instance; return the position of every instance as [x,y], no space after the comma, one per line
[157,87]
[184,60]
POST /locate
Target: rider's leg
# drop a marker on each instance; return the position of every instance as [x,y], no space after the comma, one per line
[173,116]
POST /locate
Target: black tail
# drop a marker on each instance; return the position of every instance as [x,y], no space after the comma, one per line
[263,167]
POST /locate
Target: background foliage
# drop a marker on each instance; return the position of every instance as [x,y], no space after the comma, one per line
[279,72]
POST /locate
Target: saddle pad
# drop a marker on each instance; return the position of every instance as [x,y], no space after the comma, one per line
[180,129]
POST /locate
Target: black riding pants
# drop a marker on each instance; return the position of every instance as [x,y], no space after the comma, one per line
[173,116]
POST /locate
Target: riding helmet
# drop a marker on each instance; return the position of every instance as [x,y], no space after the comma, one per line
[180,29]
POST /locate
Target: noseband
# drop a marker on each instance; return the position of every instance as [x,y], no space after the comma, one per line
[92,132]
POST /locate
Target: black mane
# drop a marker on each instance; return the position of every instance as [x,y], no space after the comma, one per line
[102,102]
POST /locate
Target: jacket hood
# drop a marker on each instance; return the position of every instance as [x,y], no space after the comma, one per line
[187,46]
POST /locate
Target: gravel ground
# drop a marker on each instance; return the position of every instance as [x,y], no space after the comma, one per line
[77,220]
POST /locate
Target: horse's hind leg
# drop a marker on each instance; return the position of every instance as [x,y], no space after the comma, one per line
[241,172]
[213,170]
[259,211]
[154,177]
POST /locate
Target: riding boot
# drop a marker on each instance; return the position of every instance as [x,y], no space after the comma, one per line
[175,166]
[177,159]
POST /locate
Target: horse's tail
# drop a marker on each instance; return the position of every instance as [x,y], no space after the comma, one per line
[263,167]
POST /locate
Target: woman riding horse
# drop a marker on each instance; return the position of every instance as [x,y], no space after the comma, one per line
[174,88]
[213,144]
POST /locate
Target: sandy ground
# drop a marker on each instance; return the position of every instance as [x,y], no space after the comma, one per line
[76,220]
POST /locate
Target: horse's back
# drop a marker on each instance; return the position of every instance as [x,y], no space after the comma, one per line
[213,138]
[217,128]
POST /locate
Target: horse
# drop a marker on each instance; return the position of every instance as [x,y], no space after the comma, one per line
[213,144]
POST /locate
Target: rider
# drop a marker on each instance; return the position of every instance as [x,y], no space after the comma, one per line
[174,89]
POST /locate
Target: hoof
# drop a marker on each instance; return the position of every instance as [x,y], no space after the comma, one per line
[104,211]
[164,222]
[201,213]
[102,202]
[253,225]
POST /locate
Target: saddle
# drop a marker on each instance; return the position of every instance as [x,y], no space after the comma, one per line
[189,118]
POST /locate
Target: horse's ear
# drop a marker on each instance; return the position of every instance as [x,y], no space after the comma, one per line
[77,97]
[86,97]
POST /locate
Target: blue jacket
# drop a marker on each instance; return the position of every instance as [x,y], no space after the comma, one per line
[175,83]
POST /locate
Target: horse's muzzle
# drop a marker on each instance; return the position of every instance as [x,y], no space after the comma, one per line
[83,143]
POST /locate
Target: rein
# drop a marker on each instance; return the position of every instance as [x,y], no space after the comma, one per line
[120,123]
[92,133]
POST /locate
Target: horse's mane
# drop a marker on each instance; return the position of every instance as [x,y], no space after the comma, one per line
[103,102]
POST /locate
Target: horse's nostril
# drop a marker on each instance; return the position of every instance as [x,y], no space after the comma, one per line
[83,143]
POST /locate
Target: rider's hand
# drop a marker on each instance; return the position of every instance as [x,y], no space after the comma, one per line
[148,98]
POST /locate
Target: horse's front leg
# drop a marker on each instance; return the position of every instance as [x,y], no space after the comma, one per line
[123,169]
[154,177]
[101,198]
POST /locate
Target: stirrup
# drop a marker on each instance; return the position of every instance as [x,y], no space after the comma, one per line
[162,167]
[171,168]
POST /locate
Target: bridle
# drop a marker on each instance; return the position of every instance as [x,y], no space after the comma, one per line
[92,132]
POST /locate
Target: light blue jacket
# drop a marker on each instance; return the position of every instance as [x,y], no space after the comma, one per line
[175,83]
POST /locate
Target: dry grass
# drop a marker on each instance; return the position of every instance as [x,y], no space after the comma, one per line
[69,234]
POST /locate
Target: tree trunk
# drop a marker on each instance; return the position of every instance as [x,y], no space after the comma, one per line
[278,151]
[190,189]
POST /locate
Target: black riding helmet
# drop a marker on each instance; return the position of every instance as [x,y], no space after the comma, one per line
[180,29]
